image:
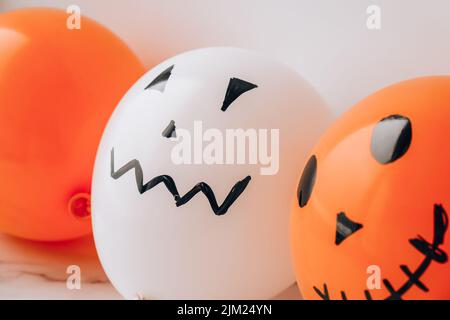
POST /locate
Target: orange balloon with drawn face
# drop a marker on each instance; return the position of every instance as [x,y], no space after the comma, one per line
[58,87]
[370,216]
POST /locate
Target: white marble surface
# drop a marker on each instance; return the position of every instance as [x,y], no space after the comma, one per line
[34,270]
[31,270]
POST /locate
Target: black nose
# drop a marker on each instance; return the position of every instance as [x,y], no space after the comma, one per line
[345,227]
[169,131]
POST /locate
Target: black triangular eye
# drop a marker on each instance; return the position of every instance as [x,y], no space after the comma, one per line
[169,131]
[391,138]
[307,182]
[345,227]
[159,83]
[236,87]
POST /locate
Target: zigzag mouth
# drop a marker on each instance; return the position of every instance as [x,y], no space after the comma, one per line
[203,187]
[431,251]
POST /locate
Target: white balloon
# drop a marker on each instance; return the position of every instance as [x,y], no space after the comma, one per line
[150,247]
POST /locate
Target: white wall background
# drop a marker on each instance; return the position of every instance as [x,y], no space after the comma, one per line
[327,41]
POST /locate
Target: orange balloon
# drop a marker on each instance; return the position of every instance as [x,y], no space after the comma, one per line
[370,217]
[58,88]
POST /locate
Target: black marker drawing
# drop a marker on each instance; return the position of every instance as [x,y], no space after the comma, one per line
[391,138]
[307,181]
[345,227]
[169,131]
[236,87]
[232,196]
[159,83]
[431,251]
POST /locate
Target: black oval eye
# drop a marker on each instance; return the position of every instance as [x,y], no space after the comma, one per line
[391,138]
[307,181]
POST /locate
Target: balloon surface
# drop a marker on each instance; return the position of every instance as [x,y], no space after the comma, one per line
[370,219]
[191,187]
[58,88]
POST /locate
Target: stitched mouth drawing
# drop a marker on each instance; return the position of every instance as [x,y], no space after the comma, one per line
[432,252]
[168,181]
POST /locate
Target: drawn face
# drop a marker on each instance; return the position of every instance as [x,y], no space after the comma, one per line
[370,217]
[178,210]
[236,87]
